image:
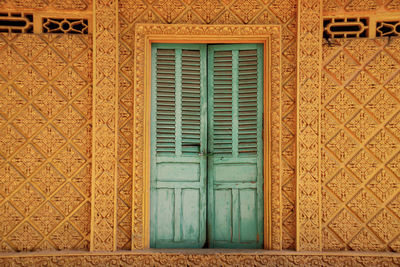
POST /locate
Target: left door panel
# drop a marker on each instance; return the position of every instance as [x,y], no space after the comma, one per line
[178,145]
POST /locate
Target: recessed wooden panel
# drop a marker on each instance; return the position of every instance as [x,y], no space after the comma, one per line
[174,172]
[237,173]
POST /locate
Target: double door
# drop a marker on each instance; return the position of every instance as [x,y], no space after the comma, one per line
[206,177]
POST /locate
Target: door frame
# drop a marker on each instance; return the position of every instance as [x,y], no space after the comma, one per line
[145,35]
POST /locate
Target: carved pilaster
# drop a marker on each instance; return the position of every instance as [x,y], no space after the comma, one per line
[308,123]
[105,111]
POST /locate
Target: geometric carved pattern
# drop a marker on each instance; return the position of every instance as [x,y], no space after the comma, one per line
[341,106]
[308,136]
[122,259]
[204,259]
[342,145]
[366,217]
[383,145]
[343,185]
[339,7]
[382,105]
[362,125]
[42,182]
[362,165]
[60,5]
[342,67]
[362,86]
[382,67]
[105,112]
[374,161]
[210,12]
[384,185]
[364,205]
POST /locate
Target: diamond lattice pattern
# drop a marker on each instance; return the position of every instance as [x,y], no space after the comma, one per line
[45,174]
[361,153]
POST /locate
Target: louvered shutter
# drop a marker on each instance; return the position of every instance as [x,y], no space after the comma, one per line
[178,173]
[235,164]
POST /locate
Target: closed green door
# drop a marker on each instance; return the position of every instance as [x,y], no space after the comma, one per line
[179,133]
[206,146]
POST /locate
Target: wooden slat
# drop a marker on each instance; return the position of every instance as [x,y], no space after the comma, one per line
[165,88]
[222,100]
[248,98]
[191,101]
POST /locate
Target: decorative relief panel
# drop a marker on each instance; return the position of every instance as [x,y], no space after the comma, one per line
[361,154]
[20,22]
[308,138]
[342,6]
[16,22]
[63,25]
[59,5]
[214,259]
[105,115]
[368,25]
[388,28]
[45,142]
[209,12]
[345,27]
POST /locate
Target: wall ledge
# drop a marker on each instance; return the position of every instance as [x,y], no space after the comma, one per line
[200,257]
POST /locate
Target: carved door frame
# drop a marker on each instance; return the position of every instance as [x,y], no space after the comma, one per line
[145,35]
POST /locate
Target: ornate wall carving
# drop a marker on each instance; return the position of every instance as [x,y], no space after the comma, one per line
[46,16]
[210,12]
[105,115]
[348,133]
[45,144]
[58,5]
[360,130]
[192,259]
[342,6]
[308,138]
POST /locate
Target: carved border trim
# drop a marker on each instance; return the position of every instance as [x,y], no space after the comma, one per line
[309,61]
[195,258]
[103,232]
[147,33]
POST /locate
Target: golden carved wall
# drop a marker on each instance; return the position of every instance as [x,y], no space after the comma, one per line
[45,141]
[360,125]
[45,133]
[210,12]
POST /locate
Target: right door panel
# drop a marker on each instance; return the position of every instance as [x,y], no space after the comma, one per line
[235,158]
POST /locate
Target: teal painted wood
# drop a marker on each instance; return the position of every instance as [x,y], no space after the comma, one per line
[235,164]
[230,113]
[178,173]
